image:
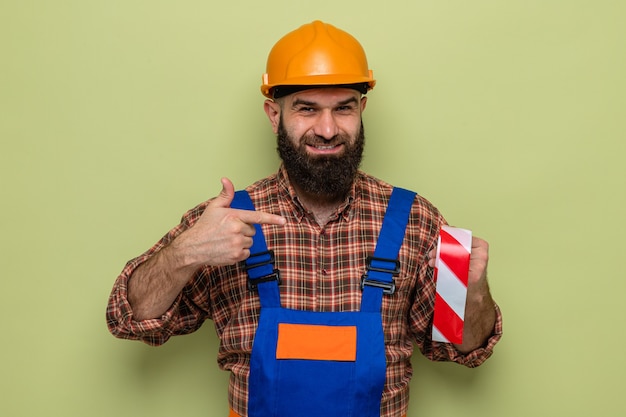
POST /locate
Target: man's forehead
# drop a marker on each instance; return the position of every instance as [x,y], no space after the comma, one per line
[325,95]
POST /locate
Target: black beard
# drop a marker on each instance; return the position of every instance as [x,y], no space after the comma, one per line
[328,177]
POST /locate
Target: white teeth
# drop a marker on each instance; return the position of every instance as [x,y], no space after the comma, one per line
[324,147]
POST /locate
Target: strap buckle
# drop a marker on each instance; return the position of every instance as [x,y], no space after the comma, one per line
[393,271]
[254,283]
[250,265]
[388,287]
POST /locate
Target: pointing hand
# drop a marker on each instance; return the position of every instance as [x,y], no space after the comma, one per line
[222,235]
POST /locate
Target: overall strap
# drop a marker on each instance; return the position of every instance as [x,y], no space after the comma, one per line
[384,264]
[260,265]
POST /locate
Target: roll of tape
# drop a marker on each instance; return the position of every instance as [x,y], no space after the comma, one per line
[451,271]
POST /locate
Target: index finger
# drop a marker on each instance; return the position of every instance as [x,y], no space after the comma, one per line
[260,217]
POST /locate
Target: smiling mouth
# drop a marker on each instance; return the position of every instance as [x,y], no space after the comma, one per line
[325,145]
[325,149]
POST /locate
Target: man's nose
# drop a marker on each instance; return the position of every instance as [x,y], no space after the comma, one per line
[326,126]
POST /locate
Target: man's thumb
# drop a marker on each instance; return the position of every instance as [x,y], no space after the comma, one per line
[226,195]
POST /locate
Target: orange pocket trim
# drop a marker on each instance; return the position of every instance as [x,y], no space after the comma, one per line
[316,342]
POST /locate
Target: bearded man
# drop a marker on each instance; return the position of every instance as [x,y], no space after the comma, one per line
[287,268]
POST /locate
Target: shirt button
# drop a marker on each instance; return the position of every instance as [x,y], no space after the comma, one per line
[324,272]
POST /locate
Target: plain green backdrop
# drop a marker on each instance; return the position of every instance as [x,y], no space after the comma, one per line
[118,116]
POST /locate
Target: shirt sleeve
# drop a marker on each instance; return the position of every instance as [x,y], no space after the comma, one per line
[438,351]
[187,312]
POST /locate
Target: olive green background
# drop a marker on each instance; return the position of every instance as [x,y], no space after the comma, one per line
[117,116]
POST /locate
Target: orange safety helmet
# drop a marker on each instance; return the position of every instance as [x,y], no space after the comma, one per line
[316,54]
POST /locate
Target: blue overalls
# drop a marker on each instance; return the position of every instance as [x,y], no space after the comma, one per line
[322,364]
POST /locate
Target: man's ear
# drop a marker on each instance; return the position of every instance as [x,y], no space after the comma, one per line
[272,109]
[363,103]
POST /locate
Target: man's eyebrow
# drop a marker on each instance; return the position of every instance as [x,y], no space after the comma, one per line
[300,102]
[351,100]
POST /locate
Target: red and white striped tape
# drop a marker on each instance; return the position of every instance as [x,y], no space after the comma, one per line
[451,271]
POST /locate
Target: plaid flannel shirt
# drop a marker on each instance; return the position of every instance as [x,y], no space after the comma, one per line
[321,268]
